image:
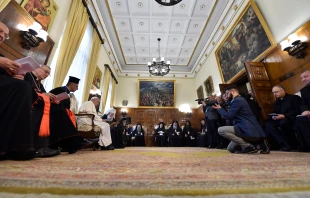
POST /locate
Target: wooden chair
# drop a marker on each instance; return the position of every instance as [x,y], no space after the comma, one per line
[87,128]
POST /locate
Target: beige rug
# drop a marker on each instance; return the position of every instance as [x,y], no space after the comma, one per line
[158,171]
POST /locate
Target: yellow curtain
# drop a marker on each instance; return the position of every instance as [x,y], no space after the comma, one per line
[3,3]
[104,96]
[113,93]
[74,32]
[92,64]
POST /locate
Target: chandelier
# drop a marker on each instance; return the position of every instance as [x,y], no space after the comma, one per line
[168,2]
[158,67]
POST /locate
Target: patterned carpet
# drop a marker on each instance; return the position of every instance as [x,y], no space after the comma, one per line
[158,171]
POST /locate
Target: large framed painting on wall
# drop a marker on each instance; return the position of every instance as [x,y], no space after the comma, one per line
[200,94]
[156,93]
[43,11]
[208,83]
[97,78]
[248,40]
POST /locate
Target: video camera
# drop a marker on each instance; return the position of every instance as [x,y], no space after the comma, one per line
[200,100]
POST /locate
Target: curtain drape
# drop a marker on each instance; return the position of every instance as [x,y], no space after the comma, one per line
[104,96]
[112,93]
[3,3]
[92,64]
[74,32]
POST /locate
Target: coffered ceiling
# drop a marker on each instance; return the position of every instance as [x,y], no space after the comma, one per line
[188,32]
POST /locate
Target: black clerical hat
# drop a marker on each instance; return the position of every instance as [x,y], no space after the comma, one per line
[74,79]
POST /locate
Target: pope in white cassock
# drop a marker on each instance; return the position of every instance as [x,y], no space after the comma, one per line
[90,108]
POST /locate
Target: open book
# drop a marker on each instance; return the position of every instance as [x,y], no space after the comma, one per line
[28,64]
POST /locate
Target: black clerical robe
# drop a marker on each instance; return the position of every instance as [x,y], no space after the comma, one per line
[15,112]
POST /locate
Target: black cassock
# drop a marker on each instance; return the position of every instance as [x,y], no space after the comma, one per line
[161,137]
[63,132]
[15,112]
[190,136]
[36,110]
[139,137]
[176,137]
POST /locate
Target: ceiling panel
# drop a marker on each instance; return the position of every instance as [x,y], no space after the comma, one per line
[186,31]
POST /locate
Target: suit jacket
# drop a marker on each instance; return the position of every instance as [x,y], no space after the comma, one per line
[245,124]
[305,98]
[288,106]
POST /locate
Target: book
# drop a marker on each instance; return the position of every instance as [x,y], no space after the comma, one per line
[61,96]
[28,64]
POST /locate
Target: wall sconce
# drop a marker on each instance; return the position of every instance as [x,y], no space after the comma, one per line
[185,108]
[294,46]
[34,36]
[124,112]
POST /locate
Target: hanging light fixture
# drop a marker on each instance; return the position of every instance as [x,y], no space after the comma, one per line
[158,67]
[168,2]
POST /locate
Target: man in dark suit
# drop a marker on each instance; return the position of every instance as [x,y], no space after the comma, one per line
[279,125]
[303,122]
[246,128]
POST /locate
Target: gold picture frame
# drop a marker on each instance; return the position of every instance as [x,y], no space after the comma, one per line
[200,94]
[43,11]
[248,40]
[209,87]
[156,93]
[97,78]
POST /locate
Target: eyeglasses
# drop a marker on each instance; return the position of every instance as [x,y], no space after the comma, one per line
[6,36]
[47,72]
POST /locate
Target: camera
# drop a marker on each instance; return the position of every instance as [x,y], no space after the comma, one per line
[200,100]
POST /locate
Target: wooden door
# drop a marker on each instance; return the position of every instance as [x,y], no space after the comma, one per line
[261,86]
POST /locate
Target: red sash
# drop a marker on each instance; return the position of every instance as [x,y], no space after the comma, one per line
[71,116]
[45,122]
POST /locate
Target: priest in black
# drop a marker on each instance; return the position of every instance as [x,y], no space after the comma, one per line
[138,135]
[190,135]
[175,135]
[280,125]
[64,134]
[161,135]
[303,122]
[16,138]
[39,107]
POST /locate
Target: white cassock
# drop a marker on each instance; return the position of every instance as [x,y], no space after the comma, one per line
[74,104]
[105,135]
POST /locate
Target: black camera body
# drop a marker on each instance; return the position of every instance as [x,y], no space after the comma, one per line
[200,100]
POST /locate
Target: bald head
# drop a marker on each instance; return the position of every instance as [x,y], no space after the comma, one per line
[4,32]
[305,77]
[96,101]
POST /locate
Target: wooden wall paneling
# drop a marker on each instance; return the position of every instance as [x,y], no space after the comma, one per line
[279,64]
[149,118]
[14,16]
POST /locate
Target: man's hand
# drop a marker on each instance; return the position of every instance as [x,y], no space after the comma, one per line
[18,76]
[9,65]
[305,113]
[203,103]
[216,106]
[51,96]
[278,117]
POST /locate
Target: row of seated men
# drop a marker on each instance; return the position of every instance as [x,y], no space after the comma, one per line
[287,128]
[34,123]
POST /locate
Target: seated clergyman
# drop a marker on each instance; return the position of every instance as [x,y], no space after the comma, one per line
[89,107]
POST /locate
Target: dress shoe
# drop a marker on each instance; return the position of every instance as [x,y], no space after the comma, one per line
[286,148]
[71,151]
[110,147]
[47,152]
[248,150]
[265,147]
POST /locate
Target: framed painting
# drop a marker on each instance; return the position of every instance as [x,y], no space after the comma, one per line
[43,11]
[97,78]
[209,87]
[156,93]
[248,40]
[200,94]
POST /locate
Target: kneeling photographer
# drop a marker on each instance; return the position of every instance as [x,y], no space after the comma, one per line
[212,117]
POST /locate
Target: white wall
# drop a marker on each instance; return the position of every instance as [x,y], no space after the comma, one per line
[127,89]
[283,17]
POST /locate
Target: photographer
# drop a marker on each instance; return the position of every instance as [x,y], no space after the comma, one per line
[212,117]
